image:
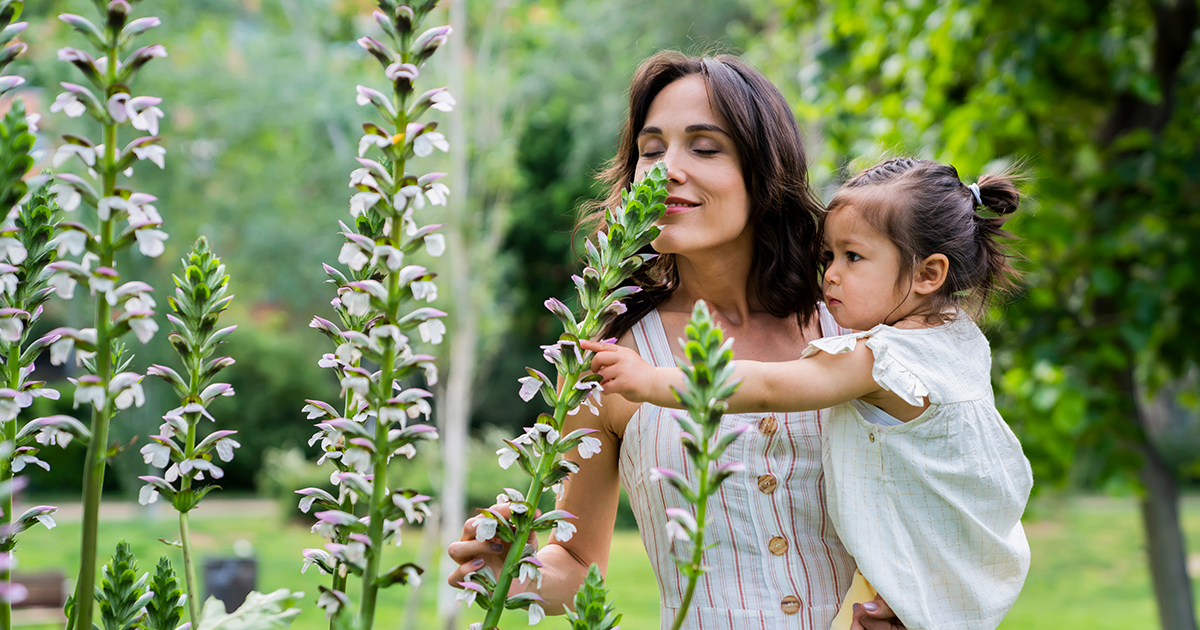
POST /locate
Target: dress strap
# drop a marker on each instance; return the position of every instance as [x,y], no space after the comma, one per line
[652,340]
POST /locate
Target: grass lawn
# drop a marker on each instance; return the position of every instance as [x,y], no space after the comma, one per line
[1089,569]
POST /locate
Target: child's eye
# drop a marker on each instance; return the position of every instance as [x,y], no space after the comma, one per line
[853,257]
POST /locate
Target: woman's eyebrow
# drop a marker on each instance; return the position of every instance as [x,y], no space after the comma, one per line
[655,131]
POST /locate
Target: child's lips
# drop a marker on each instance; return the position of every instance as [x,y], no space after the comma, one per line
[832,302]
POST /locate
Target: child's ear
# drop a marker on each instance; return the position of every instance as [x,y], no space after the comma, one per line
[930,274]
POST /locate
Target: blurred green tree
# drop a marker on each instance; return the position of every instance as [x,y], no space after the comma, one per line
[1099,103]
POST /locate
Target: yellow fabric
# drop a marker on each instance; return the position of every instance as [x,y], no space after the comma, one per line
[860,591]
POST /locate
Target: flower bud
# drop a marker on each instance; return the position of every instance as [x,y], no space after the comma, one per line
[430,41]
[405,18]
[118,14]
[377,49]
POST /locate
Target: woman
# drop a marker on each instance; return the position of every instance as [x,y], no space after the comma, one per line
[739,233]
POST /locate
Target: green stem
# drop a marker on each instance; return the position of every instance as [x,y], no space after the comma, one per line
[189,570]
[536,487]
[697,550]
[185,534]
[6,474]
[97,457]
[370,587]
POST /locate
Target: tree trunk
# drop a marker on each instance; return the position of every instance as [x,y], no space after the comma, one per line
[455,408]
[1165,546]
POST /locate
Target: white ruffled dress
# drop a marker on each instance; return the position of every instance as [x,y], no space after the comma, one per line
[931,508]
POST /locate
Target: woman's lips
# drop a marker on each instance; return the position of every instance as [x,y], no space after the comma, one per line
[678,205]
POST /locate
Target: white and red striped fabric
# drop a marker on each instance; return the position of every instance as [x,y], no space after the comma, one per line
[778,564]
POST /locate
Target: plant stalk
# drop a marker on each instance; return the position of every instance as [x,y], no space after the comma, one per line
[97,457]
[6,473]
[697,551]
[185,534]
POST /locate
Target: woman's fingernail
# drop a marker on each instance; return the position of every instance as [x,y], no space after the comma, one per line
[871,606]
[854,608]
[478,562]
[497,547]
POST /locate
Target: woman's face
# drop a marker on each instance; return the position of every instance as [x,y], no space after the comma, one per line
[708,206]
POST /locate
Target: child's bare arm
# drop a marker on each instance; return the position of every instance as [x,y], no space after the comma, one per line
[626,373]
[816,382]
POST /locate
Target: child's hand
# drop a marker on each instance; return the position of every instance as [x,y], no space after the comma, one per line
[625,372]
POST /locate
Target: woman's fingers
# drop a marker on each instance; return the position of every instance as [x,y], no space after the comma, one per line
[472,554]
[875,615]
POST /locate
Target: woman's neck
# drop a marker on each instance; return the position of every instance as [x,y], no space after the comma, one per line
[721,279]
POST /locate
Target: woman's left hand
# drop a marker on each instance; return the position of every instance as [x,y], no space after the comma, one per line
[876,615]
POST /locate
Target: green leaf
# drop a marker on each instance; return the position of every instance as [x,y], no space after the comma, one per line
[261,611]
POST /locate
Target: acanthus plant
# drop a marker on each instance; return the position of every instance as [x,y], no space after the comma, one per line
[375,302]
[707,373]
[539,451]
[26,248]
[200,298]
[123,217]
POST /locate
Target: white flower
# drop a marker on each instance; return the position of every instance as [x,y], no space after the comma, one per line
[225,448]
[19,462]
[424,290]
[64,285]
[147,495]
[353,256]
[370,140]
[144,114]
[529,571]
[116,107]
[508,456]
[357,303]
[363,201]
[485,528]
[530,385]
[144,328]
[67,197]
[536,614]
[437,194]
[588,446]
[8,282]
[467,597]
[132,395]
[435,244]
[330,602]
[432,331]
[676,531]
[312,555]
[11,329]
[14,251]
[93,394]
[425,143]
[32,120]
[408,451]
[357,458]
[563,531]
[392,257]
[71,241]
[156,454]
[155,153]
[443,102]
[68,104]
[150,242]
[64,153]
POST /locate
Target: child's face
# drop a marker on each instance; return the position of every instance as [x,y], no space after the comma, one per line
[862,272]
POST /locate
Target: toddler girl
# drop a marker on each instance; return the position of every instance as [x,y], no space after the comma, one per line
[926,484]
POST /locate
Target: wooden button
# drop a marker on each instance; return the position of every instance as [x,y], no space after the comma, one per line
[871,436]
[767,484]
[778,545]
[790,605]
[767,425]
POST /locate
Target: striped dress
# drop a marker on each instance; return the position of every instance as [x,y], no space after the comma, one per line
[778,563]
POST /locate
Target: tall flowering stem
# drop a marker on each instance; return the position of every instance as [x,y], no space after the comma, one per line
[378,305]
[707,372]
[200,298]
[611,260]
[106,97]
[26,249]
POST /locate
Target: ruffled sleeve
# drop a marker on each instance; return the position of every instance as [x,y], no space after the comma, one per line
[893,376]
[834,345]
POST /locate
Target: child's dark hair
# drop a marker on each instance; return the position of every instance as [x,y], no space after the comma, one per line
[925,209]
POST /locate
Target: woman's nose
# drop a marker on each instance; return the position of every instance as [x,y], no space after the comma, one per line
[675,173]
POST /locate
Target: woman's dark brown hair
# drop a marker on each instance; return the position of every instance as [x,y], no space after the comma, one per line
[783,210]
[925,209]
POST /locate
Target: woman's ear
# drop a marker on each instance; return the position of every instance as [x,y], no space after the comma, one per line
[930,274]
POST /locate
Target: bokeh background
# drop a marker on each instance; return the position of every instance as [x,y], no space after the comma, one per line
[1095,357]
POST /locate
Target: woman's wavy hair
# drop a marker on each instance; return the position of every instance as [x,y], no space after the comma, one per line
[784,212]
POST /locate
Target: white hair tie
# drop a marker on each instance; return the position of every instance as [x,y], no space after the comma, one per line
[975,191]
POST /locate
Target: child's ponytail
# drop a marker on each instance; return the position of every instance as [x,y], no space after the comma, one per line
[997,194]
